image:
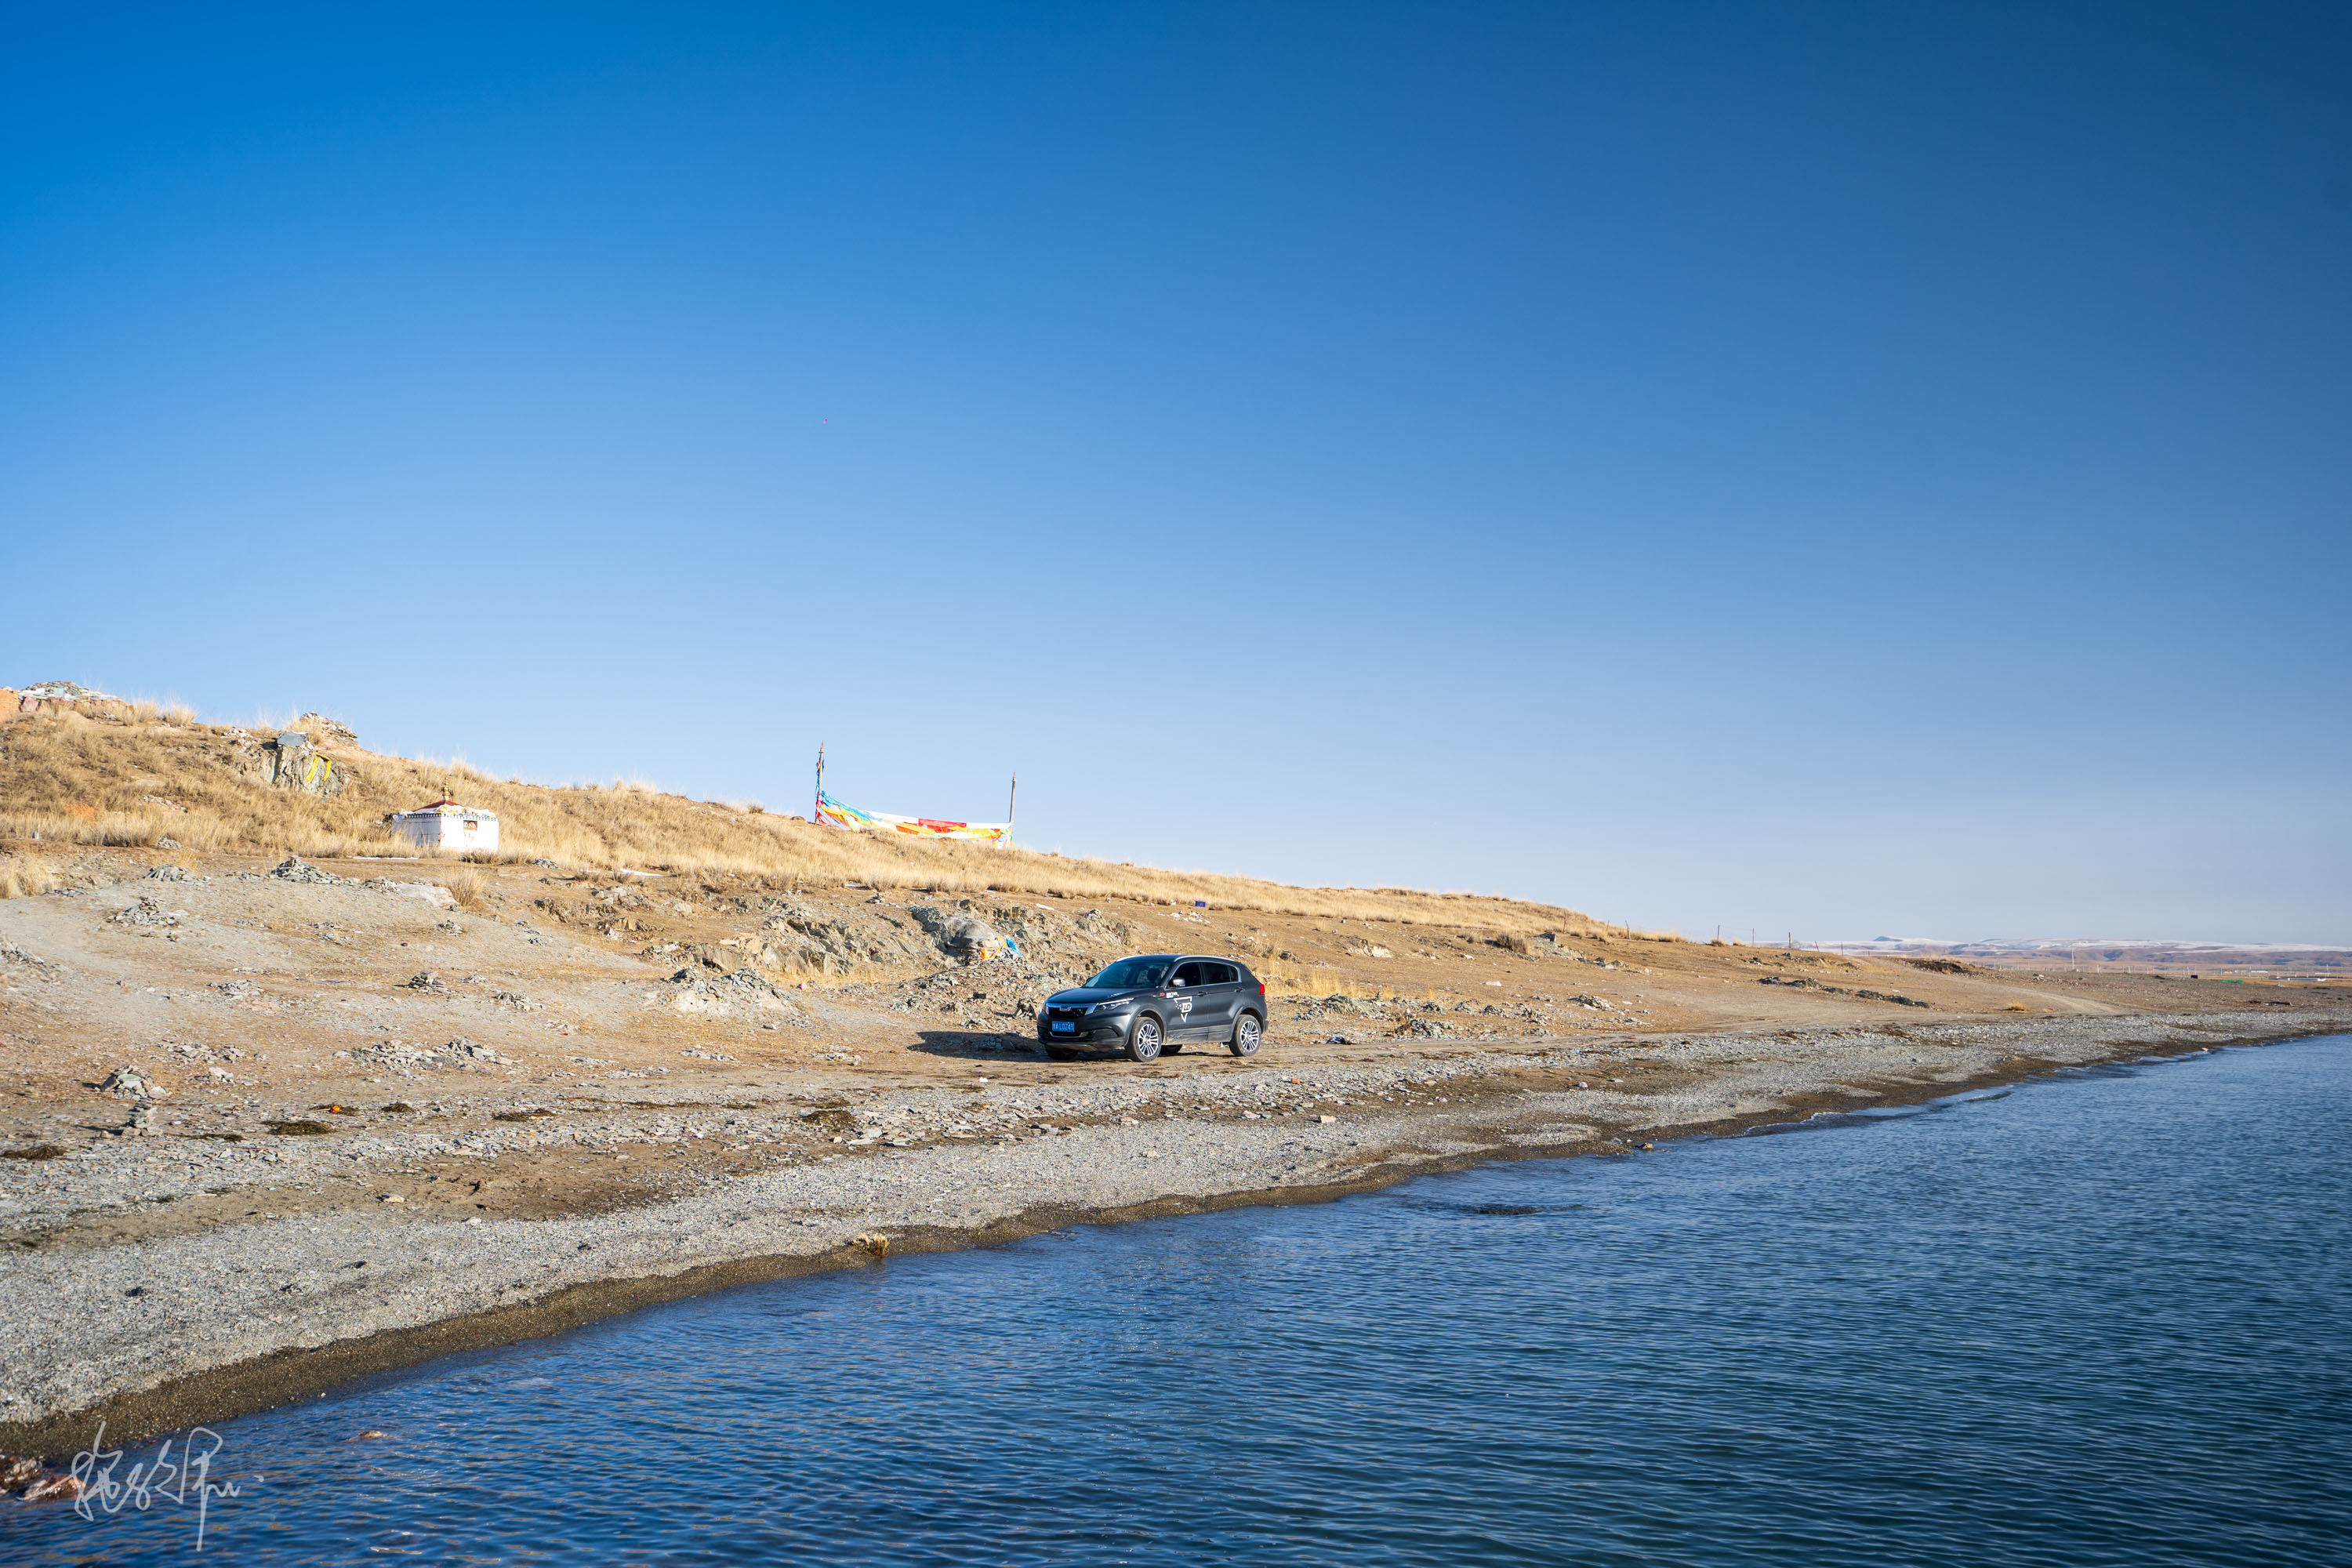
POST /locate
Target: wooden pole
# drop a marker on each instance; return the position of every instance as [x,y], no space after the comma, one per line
[813,810]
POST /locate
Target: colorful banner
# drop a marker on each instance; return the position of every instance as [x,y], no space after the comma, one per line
[834,814]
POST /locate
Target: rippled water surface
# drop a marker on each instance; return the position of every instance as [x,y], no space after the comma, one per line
[2103,1320]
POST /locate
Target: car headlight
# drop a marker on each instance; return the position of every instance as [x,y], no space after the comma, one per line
[1112,1006]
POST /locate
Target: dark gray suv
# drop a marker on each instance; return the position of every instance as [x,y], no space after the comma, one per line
[1158,1002]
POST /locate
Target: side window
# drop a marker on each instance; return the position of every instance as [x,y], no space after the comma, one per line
[1189,975]
[1224,974]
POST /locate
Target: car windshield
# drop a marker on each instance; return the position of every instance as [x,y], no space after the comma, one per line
[1129,973]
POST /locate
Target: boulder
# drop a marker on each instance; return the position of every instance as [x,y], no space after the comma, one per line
[289,761]
[965,938]
[128,1083]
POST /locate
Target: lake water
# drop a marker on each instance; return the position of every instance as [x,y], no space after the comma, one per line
[2099,1320]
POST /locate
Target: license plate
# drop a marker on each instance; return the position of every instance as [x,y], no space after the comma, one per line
[1065,1029]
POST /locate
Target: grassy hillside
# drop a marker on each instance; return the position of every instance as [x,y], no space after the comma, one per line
[130,776]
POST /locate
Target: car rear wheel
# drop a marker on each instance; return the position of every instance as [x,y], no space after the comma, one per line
[1247,1032]
[1144,1039]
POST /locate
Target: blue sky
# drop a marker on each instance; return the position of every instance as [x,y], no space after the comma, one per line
[1849,469]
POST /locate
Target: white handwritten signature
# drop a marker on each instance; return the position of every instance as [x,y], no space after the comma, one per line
[162,1478]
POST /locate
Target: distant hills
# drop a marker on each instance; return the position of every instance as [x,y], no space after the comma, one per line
[2114,952]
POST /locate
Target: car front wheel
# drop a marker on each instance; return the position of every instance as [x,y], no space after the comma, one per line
[1246,1034]
[1144,1039]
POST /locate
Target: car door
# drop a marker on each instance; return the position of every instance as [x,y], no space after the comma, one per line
[1188,988]
[1221,990]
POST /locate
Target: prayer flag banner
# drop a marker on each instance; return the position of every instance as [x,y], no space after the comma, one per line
[833,812]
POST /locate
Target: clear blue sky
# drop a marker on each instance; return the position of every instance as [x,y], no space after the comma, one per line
[1862,469]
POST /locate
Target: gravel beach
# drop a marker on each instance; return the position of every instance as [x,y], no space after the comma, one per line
[175,1327]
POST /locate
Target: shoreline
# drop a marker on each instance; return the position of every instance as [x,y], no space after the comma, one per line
[225,1321]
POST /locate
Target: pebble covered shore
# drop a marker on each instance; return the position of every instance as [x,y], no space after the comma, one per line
[87,1325]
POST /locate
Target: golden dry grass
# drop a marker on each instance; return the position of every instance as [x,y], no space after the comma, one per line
[25,877]
[95,777]
[468,887]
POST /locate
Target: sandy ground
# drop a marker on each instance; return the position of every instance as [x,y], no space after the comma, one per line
[382,1128]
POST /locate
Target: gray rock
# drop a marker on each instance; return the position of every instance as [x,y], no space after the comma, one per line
[396,1056]
[127,1083]
[963,937]
[291,761]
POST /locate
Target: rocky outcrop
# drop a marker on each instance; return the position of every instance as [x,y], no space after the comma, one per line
[326,731]
[289,761]
[58,695]
[406,1057]
[1800,983]
[694,990]
[798,939]
[966,938]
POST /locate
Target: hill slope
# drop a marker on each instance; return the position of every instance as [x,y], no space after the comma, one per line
[121,775]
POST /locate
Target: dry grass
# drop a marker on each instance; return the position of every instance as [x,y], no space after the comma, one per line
[469,887]
[91,778]
[1294,980]
[25,877]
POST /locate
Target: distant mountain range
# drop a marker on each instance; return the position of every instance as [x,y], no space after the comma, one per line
[2132,952]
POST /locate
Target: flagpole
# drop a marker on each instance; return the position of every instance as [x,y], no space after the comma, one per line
[816,812]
